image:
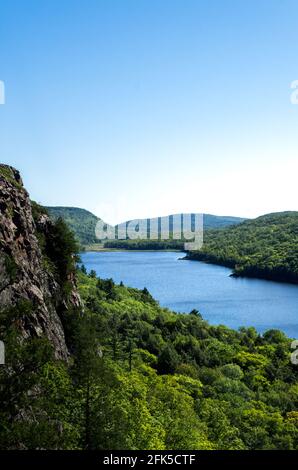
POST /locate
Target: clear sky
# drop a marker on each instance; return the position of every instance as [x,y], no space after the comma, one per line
[139,108]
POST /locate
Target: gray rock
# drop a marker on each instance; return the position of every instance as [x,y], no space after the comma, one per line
[22,272]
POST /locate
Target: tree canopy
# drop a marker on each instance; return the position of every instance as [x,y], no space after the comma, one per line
[266,247]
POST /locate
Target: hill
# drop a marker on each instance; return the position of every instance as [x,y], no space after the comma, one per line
[219,221]
[80,221]
[176,220]
[83,222]
[266,247]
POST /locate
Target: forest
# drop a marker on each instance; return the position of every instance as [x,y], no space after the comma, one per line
[266,247]
[80,221]
[140,244]
[142,377]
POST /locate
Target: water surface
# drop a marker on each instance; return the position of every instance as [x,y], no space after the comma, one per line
[185,285]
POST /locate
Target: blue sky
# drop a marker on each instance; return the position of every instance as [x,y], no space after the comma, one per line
[136,108]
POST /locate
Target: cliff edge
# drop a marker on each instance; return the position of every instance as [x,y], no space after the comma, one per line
[25,272]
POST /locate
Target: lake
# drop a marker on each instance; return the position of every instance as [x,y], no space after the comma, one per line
[183,285]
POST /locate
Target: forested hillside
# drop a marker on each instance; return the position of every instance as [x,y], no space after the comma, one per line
[83,222]
[143,377]
[80,221]
[266,247]
[175,223]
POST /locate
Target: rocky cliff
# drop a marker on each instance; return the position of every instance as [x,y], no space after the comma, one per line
[24,273]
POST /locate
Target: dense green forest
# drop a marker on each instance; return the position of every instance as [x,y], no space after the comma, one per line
[142,377]
[80,221]
[266,247]
[145,244]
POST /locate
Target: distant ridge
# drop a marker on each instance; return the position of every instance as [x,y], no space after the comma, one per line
[82,222]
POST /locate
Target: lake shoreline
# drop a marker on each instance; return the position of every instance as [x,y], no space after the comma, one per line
[236,275]
[99,249]
[245,275]
[207,287]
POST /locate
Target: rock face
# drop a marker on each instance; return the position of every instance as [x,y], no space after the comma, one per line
[23,275]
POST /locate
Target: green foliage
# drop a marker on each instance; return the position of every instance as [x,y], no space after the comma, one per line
[19,379]
[225,376]
[59,247]
[38,210]
[143,377]
[6,172]
[266,247]
[81,222]
[145,244]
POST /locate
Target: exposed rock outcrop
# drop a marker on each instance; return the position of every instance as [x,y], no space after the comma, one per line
[23,272]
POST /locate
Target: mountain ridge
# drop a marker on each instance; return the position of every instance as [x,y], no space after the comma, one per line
[82,222]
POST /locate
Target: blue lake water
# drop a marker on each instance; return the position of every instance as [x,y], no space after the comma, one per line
[185,285]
